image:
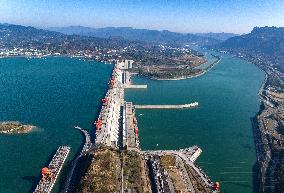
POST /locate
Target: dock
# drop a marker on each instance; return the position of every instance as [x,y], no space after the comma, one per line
[184,106]
[126,80]
[131,138]
[53,170]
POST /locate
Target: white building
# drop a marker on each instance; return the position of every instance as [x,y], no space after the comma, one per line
[125,64]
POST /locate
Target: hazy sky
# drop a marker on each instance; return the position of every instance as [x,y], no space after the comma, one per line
[238,16]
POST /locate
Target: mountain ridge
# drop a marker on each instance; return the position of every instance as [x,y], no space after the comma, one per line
[148,35]
[265,43]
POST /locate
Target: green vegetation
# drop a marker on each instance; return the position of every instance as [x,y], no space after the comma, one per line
[263,44]
[279,173]
[169,73]
[101,175]
[104,172]
[135,173]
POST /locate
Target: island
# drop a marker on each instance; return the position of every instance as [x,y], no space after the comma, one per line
[14,127]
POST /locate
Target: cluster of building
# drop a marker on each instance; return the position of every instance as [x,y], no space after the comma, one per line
[29,52]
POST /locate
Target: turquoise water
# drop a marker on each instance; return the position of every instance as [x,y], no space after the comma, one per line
[221,126]
[57,93]
[54,94]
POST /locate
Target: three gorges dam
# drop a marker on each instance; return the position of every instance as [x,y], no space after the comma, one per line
[116,143]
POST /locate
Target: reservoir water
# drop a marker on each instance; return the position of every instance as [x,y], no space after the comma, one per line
[56,94]
[221,126]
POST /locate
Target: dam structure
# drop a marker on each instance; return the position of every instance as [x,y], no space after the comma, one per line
[117,128]
[116,125]
[117,140]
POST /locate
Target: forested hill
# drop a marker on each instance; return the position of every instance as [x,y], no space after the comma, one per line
[12,36]
[265,43]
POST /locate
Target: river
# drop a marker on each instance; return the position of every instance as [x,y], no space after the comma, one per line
[57,93]
[221,126]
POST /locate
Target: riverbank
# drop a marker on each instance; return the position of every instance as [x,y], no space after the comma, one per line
[200,73]
[267,123]
[226,92]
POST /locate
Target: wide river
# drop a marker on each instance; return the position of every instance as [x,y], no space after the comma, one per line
[56,94]
[220,126]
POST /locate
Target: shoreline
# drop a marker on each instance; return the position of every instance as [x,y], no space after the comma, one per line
[58,56]
[263,138]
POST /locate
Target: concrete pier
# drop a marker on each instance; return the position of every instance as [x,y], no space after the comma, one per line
[126,80]
[184,106]
[136,86]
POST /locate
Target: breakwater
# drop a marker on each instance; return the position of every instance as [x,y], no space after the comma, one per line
[51,173]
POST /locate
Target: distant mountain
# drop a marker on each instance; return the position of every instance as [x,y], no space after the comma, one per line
[219,36]
[262,43]
[143,35]
[78,30]
[29,37]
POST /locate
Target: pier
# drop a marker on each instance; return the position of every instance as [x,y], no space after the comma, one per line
[136,86]
[184,106]
[51,173]
[131,139]
[126,80]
